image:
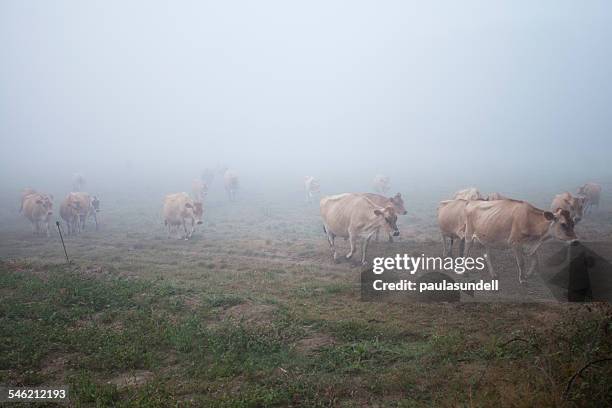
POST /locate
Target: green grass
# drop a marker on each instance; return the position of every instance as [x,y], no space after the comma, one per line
[107,325]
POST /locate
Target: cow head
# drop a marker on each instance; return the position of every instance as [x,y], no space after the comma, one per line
[390,218]
[95,203]
[46,203]
[398,204]
[197,210]
[562,226]
[578,206]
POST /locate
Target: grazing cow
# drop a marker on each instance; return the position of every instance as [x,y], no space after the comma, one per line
[179,209]
[200,189]
[573,204]
[312,187]
[397,202]
[471,193]
[591,193]
[517,225]
[451,220]
[78,182]
[496,196]
[70,211]
[381,184]
[38,208]
[230,181]
[88,207]
[352,216]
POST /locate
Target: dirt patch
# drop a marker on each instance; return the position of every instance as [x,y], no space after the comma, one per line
[131,379]
[313,343]
[249,313]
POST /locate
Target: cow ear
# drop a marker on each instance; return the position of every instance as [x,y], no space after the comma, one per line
[188,205]
[549,216]
[378,212]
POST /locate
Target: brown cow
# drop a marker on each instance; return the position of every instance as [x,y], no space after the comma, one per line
[70,211]
[179,209]
[88,207]
[38,208]
[352,216]
[517,225]
[573,204]
[451,220]
[591,193]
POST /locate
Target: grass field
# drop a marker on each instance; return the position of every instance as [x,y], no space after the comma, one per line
[253,312]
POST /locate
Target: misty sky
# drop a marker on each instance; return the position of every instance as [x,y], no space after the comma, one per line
[315,87]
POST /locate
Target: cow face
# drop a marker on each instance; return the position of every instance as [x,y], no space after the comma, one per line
[388,213]
[578,206]
[398,204]
[95,203]
[46,204]
[562,226]
[197,210]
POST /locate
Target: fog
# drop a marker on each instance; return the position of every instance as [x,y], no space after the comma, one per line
[139,94]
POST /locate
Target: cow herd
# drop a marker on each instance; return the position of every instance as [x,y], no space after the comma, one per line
[495,221]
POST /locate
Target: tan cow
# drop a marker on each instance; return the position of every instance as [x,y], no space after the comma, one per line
[199,189]
[88,207]
[573,204]
[451,220]
[591,193]
[38,208]
[355,216]
[516,225]
[470,193]
[381,184]
[312,186]
[397,202]
[70,211]
[230,182]
[179,210]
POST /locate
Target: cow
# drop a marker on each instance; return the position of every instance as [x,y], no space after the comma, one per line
[470,193]
[397,202]
[88,207]
[573,204]
[591,193]
[230,182]
[312,187]
[38,208]
[199,189]
[70,211]
[78,182]
[179,210]
[353,216]
[516,225]
[496,196]
[451,220]
[25,193]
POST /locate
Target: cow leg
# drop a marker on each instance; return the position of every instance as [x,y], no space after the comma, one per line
[95,217]
[331,239]
[461,246]
[185,229]
[467,246]
[490,263]
[520,263]
[376,237]
[352,239]
[364,249]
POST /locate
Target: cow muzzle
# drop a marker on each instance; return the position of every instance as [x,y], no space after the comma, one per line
[396,233]
[199,222]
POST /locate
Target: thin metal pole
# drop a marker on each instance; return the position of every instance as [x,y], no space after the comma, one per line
[62,238]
